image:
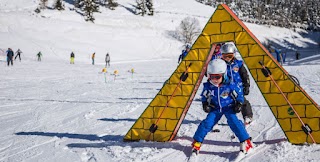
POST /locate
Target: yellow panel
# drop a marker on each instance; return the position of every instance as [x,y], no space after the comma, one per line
[286,86]
[285,124]
[244,50]
[230,26]
[169,88]
[296,124]
[161,136]
[148,113]
[269,62]
[252,51]
[171,124]
[274,111]
[243,38]
[178,101]
[275,99]
[220,16]
[159,101]
[137,134]
[196,66]
[298,98]
[192,55]
[222,37]
[312,111]
[212,28]
[203,53]
[315,134]
[202,42]
[255,50]
[296,137]
[264,87]
[313,123]
[169,112]
[288,112]
[253,62]
[187,89]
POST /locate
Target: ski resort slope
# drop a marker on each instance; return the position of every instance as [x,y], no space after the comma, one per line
[54,111]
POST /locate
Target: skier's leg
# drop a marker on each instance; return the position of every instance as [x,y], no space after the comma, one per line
[236,125]
[247,110]
[206,125]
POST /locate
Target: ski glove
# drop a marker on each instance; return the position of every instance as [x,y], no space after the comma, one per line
[237,107]
[246,90]
[205,107]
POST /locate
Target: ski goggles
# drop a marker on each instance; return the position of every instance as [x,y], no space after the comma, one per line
[215,76]
[230,56]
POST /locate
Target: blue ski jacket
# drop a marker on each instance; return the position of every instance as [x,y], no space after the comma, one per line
[222,97]
[237,73]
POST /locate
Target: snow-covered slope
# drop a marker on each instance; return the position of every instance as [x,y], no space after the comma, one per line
[54,111]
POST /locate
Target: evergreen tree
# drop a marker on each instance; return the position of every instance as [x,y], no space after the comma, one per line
[111,4]
[43,4]
[88,8]
[144,7]
[59,5]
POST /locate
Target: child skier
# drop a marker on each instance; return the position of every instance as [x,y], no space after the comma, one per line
[72,58]
[184,53]
[219,97]
[217,53]
[238,74]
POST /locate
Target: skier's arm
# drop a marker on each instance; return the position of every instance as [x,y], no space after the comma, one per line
[244,76]
[237,93]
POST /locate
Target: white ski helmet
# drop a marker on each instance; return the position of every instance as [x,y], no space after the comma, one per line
[227,48]
[217,66]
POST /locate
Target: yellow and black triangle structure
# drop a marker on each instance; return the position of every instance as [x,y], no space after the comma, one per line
[296,112]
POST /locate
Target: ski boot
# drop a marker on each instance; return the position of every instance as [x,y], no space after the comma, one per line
[196,147]
[246,146]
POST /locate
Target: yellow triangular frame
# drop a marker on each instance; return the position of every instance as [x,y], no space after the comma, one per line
[225,26]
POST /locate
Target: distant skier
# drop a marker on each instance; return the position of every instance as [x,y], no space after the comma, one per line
[10,55]
[39,55]
[297,55]
[72,58]
[18,53]
[93,56]
[217,53]
[238,74]
[220,97]
[184,53]
[107,60]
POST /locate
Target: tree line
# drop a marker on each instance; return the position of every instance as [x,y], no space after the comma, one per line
[304,14]
[87,7]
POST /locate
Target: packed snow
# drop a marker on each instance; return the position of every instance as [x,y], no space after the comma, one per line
[54,111]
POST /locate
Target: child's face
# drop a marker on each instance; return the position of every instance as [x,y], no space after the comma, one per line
[227,56]
[216,79]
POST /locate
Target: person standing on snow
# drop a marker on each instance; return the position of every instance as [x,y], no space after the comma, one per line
[10,55]
[238,74]
[72,58]
[39,55]
[18,53]
[93,56]
[184,53]
[217,53]
[220,97]
[107,60]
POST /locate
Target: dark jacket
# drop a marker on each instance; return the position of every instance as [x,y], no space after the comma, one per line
[10,54]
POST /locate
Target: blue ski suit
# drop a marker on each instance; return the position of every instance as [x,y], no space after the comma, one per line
[221,99]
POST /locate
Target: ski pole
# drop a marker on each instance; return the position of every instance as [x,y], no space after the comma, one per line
[267,73]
